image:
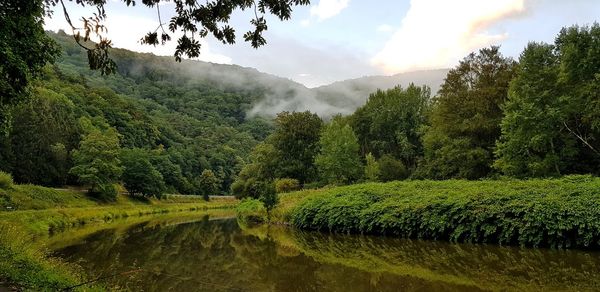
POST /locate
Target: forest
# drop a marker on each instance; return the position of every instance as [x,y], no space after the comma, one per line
[538,116]
[157,129]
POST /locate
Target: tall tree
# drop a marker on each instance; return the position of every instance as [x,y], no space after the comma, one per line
[139,175]
[551,118]
[296,140]
[466,115]
[97,161]
[391,122]
[24,50]
[208,184]
[44,132]
[339,159]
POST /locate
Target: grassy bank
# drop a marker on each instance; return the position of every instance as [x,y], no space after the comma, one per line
[30,211]
[543,212]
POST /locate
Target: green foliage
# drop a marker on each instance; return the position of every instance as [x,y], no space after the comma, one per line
[391,169]
[251,211]
[391,123]
[268,196]
[24,50]
[286,185]
[550,125]
[139,175]
[555,213]
[339,160]
[372,170]
[97,161]
[466,116]
[296,140]
[195,20]
[45,125]
[208,184]
[287,153]
[6,180]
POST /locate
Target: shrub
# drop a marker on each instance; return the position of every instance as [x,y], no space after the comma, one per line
[552,212]
[286,185]
[6,180]
[105,192]
[391,169]
[251,211]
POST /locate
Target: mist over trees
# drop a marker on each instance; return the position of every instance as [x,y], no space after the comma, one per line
[537,117]
[156,128]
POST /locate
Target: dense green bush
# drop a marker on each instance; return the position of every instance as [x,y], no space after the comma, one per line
[251,211]
[6,180]
[286,185]
[543,212]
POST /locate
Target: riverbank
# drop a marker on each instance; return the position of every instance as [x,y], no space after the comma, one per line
[32,211]
[560,213]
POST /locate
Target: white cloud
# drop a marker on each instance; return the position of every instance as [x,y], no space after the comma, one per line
[385,28]
[328,8]
[437,33]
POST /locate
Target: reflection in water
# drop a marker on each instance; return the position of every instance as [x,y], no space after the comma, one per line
[219,255]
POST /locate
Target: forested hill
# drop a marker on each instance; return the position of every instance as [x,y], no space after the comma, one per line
[179,120]
[263,94]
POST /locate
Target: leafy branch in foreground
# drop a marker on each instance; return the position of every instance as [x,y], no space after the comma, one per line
[194,20]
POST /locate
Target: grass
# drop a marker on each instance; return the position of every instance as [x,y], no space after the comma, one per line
[28,212]
[563,213]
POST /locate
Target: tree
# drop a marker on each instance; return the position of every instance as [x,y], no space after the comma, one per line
[339,160]
[24,50]
[466,115]
[372,171]
[391,122]
[195,20]
[208,184]
[139,175]
[44,132]
[267,196]
[551,117]
[97,162]
[296,141]
[391,169]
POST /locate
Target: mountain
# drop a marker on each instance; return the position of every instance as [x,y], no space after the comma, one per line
[267,94]
[353,93]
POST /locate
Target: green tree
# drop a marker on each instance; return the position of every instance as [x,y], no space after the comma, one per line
[339,160]
[391,122]
[208,184]
[140,177]
[391,169]
[43,133]
[296,140]
[267,195]
[24,50]
[466,115]
[551,118]
[97,161]
[372,171]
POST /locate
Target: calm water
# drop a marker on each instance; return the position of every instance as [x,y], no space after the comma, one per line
[200,254]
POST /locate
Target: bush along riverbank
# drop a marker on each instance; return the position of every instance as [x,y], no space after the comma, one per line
[558,213]
[31,211]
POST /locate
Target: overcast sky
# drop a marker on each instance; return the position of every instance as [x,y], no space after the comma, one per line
[333,40]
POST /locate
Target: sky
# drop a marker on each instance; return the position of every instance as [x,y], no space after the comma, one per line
[333,40]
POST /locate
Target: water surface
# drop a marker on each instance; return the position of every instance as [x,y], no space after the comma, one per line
[200,254]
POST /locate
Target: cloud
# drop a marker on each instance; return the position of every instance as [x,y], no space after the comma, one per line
[328,8]
[384,28]
[437,33]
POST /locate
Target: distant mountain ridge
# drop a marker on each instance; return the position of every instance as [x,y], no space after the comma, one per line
[269,94]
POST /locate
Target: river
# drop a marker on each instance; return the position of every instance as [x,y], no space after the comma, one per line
[212,253]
